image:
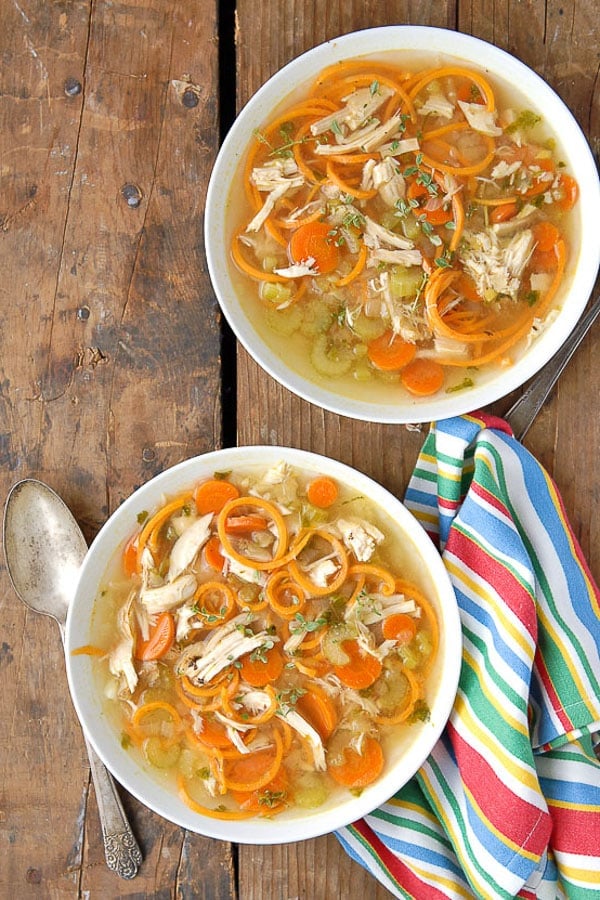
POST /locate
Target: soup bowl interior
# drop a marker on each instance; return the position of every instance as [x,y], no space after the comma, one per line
[223,216]
[404,757]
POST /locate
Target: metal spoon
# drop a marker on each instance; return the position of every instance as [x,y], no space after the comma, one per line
[44,549]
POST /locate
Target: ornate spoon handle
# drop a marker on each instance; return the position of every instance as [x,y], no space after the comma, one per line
[121,849]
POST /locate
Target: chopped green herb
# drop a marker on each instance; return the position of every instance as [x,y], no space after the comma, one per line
[526,119]
[142,516]
[532,297]
[420,713]
[465,383]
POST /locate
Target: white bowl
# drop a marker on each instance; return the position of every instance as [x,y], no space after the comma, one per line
[504,69]
[292,825]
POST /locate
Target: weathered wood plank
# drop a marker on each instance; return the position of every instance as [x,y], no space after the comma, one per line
[552,39]
[110,369]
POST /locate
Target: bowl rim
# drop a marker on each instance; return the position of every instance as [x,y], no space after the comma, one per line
[87,703]
[370,42]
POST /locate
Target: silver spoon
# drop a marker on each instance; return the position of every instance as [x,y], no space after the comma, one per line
[44,549]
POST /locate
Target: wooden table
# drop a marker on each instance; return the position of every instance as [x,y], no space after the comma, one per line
[115,363]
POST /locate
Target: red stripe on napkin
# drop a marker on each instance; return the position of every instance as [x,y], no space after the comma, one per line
[410,882]
[495,573]
[526,825]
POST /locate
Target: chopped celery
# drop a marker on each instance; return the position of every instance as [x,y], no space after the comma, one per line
[405,282]
[368,328]
[161,754]
[316,318]
[275,293]
[284,321]
[329,359]
[310,791]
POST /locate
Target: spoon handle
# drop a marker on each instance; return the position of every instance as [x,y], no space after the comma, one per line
[121,849]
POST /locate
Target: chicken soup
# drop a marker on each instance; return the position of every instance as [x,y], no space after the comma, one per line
[262,640]
[405,229]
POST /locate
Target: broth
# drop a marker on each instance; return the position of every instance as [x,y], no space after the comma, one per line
[263,639]
[405,228]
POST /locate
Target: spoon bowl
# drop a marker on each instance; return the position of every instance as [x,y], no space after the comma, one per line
[44,550]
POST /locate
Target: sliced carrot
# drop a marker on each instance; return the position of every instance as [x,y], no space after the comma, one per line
[315,241]
[255,770]
[146,709]
[266,800]
[215,602]
[88,650]
[438,216]
[359,769]
[162,637]
[211,496]
[569,192]
[399,627]
[213,813]
[305,581]
[275,516]
[319,711]
[362,670]
[213,734]
[263,668]
[469,93]
[212,554]
[465,285]
[149,535]
[322,492]
[503,212]
[245,524]
[422,377]
[389,352]
[130,556]
[545,235]
[285,597]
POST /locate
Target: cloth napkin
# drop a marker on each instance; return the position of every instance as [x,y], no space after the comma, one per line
[508,803]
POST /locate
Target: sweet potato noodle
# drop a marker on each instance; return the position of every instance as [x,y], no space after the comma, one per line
[400,226]
[262,643]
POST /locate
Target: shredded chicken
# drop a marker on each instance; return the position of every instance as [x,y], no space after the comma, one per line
[359,106]
[300,725]
[298,270]
[120,660]
[496,267]
[161,599]
[376,236]
[187,547]
[480,119]
[367,139]
[396,257]
[437,105]
[277,177]
[360,537]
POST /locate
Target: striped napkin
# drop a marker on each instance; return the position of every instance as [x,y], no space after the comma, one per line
[508,803]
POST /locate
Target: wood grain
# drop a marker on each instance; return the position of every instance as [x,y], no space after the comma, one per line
[546,39]
[109,368]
